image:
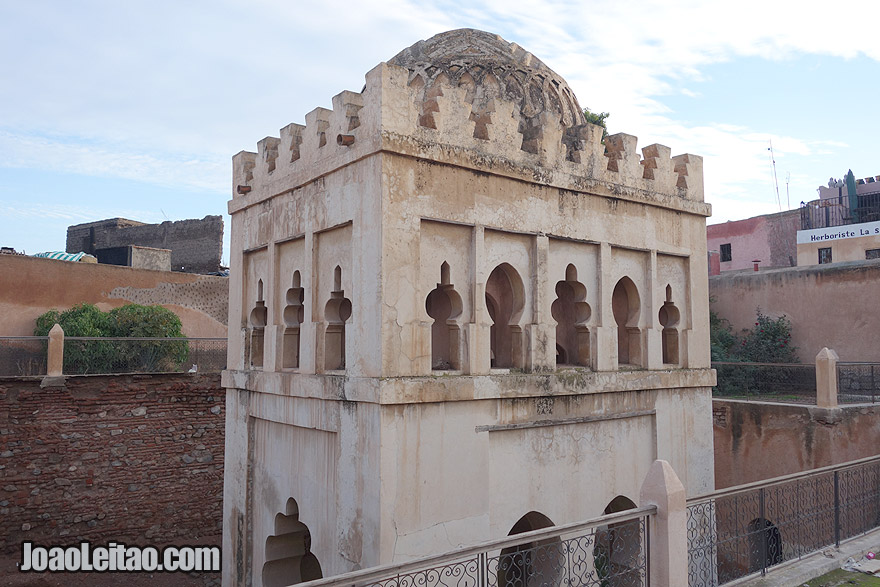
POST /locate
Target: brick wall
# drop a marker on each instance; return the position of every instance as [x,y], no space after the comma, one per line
[136,458]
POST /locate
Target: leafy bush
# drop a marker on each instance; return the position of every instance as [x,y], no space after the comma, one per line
[768,342]
[130,320]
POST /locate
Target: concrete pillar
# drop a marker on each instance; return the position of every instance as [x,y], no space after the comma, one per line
[826,378]
[668,529]
[55,359]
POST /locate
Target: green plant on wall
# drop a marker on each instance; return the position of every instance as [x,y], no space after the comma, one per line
[130,320]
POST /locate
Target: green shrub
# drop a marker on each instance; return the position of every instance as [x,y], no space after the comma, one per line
[130,320]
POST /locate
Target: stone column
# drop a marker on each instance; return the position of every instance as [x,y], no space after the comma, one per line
[668,529]
[826,378]
[55,359]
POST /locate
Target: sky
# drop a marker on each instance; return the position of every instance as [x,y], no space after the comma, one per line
[135,108]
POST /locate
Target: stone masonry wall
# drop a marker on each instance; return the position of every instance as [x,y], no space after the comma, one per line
[196,245]
[136,458]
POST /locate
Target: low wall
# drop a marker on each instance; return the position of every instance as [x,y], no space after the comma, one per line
[136,458]
[756,441]
[830,306]
[31,286]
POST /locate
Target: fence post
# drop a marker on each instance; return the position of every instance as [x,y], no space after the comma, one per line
[55,359]
[667,532]
[826,378]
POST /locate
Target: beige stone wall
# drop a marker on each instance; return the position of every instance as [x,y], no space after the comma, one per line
[391,451]
[31,286]
[756,441]
[805,294]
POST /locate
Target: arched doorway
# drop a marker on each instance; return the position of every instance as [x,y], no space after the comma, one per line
[625,307]
[765,544]
[618,551]
[532,563]
[289,558]
[504,302]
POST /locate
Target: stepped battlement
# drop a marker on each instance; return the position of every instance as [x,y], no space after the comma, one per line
[497,109]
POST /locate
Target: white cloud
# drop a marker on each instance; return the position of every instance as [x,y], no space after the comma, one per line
[165,92]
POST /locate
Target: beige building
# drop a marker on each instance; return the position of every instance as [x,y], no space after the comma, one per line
[455,314]
[840,226]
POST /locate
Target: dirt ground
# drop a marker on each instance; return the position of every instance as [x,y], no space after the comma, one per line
[11,577]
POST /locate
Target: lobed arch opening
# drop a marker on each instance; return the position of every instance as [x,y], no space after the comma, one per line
[257,321]
[505,300]
[293,316]
[444,305]
[669,317]
[571,313]
[289,559]
[337,311]
[626,307]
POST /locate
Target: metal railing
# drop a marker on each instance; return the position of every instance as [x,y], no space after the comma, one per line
[831,212]
[22,356]
[603,552]
[746,530]
[780,382]
[858,382]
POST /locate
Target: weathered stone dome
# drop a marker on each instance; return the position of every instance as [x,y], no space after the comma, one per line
[489,67]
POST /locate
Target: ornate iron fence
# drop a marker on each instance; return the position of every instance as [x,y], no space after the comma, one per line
[782,382]
[610,551]
[26,355]
[23,356]
[746,530]
[858,382]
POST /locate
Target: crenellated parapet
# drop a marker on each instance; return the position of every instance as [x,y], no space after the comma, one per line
[503,114]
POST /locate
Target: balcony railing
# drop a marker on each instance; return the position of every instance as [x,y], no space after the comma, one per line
[746,530]
[831,212]
[610,550]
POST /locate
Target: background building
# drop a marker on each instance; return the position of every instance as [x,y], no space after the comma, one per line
[195,245]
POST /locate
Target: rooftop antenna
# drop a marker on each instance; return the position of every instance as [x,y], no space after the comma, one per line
[775,180]
[787,196]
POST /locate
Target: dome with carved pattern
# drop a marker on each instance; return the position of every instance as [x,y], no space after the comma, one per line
[488,67]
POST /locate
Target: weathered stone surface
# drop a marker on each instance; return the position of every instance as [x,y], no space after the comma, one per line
[451,303]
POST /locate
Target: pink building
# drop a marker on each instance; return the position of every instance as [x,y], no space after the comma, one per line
[770,239]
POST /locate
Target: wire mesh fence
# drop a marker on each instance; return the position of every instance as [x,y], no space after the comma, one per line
[858,382]
[781,382]
[23,356]
[739,532]
[26,356]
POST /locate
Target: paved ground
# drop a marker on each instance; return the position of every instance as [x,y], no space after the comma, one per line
[820,566]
